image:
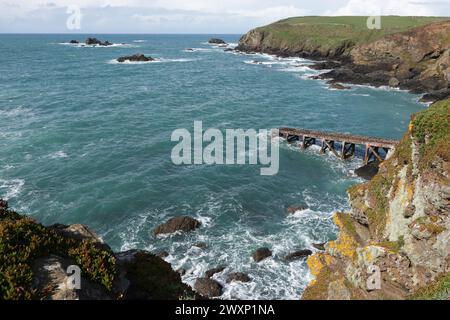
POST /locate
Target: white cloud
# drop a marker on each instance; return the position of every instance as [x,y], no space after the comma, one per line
[385,7]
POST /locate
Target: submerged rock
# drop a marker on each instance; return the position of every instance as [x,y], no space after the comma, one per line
[368,171]
[238,276]
[216,41]
[319,246]
[208,288]
[298,207]
[261,254]
[213,271]
[183,224]
[298,255]
[135,58]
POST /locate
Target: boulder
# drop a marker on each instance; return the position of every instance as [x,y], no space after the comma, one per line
[297,255]
[294,208]
[80,232]
[201,245]
[208,288]
[393,82]
[216,41]
[213,271]
[135,58]
[238,276]
[52,282]
[183,224]
[161,254]
[368,171]
[261,254]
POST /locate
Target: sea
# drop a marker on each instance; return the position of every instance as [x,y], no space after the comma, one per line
[85,139]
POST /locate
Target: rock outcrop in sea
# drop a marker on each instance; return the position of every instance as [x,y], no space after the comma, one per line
[394,243]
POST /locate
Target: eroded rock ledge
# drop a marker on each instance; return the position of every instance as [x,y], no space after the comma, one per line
[399,223]
[417,60]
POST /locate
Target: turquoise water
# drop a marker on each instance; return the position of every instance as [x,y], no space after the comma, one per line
[85,140]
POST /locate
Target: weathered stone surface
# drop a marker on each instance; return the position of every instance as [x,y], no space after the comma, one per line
[216,41]
[297,255]
[238,277]
[208,288]
[319,246]
[135,58]
[261,254]
[298,207]
[368,171]
[182,224]
[213,271]
[51,280]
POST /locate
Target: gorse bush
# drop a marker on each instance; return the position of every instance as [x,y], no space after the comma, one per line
[22,241]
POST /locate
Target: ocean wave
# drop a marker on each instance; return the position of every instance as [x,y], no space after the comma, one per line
[157,60]
[139,41]
[188,50]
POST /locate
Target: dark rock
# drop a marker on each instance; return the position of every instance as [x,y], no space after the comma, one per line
[161,254]
[211,272]
[261,254]
[50,279]
[181,271]
[338,86]
[73,42]
[189,49]
[228,50]
[183,224]
[3,204]
[298,255]
[368,171]
[294,208]
[201,245]
[96,42]
[319,246]
[151,277]
[325,65]
[216,41]
[135,58]
[238,276]
[436,95]
[393,82]
[208,288]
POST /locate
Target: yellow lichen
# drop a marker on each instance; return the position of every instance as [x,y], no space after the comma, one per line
[318,261]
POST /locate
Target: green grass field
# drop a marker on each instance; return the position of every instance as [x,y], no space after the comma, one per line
[329,32]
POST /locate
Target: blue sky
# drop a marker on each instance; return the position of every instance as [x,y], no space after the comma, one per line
[190,16]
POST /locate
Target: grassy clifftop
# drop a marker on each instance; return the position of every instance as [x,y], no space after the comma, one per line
[335,34]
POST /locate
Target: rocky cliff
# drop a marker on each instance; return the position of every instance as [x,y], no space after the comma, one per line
[398,226]
[408,53]
[34,262]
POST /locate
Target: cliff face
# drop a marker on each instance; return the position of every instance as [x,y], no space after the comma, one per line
[34,262]
[399,223]
[415,56]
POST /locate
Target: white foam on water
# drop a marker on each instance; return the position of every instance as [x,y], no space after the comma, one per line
[139,41]
[157,60]
[83,45]
[11,188]
[197,50]
[58,155]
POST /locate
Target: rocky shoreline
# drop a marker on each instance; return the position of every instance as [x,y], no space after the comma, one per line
[417,60]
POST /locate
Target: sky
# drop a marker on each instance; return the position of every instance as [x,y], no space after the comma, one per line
[188,16]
